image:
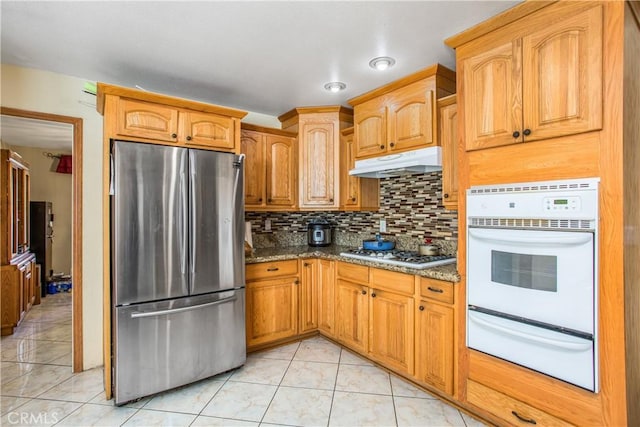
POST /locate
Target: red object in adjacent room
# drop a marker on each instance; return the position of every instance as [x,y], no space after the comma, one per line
[65,164]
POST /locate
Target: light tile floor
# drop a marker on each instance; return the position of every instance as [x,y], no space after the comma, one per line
[309,383]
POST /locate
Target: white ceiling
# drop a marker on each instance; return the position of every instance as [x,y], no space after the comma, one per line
[266,57]
[25,132]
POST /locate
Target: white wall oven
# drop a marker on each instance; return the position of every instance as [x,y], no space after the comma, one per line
[532,276]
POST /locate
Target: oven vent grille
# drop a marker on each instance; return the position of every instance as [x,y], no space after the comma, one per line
[555,224]
[533,187]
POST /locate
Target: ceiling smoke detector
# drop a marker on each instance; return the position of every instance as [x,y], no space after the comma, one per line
[335,87]
[381,63]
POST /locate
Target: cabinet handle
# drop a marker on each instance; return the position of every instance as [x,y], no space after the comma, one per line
[421,308]
[373,294]
[306,264]
[436,290]
[364,292]
[296,282]
[273,269]
[526,420]
[331,200]
[515,134]
[268,200]
[260,199]
[189,138]
[393,144]
[526,132]
[173,135]
[382,147]
[446,195]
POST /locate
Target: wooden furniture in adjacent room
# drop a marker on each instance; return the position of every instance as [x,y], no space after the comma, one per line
[17,264]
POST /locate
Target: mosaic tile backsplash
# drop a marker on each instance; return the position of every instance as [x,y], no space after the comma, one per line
[410,204]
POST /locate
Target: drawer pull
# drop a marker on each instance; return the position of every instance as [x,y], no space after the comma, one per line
[273,269]
[436,290]
[526,420]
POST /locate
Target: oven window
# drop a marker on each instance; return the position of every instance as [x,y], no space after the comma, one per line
[539,272]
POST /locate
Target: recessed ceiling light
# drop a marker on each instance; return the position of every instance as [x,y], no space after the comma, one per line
[381,63]
[335,86]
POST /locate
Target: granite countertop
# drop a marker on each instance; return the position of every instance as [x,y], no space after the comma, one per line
[443,272]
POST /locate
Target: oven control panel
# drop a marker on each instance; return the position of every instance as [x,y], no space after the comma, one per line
[571,203]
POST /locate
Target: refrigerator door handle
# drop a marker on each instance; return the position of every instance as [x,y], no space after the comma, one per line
[181,309]
[185,229]
[112,184]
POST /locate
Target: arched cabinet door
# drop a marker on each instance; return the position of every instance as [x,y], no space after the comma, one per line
[281,175]
[370,132]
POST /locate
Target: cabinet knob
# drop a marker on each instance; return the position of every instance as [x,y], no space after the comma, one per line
[446,195]
[526,132]
[268,200]
[331,200]
[364,292]
[296,282]
[189,138]
[393,144]
[260,199]
[382,147]
[373,294]
[306,264]
[173,135]
[421,308]
[515,134]
[353,199]
[523,419]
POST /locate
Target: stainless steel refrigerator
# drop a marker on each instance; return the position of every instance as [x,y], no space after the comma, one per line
[177,266]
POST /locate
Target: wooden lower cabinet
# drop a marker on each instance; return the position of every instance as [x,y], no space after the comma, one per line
[352,314]
[326,276]
[434,345]
[271,310]
[391,329]
[308,295]
[18,291]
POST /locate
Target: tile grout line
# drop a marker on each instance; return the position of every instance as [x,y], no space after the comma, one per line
[281,379]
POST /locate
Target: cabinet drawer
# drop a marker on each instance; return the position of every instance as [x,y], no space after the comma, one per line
[508,408]
[437,290]
[354,272]
[392,281]
[266,270]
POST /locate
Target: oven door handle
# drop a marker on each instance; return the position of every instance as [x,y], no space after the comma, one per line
[566,345]
[490,236]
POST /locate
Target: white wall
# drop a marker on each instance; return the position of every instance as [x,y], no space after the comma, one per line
[46,92]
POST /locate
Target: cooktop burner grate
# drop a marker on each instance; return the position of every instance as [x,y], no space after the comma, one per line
[409,259]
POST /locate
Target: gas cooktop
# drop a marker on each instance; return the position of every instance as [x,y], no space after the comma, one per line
[400,258]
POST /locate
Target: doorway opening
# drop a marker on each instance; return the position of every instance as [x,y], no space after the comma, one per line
[76,223]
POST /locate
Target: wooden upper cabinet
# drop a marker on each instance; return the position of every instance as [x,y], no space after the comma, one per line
[370,123]
[208,130]
[252,146]
[355,193]
[448,134]
[543,82]
[493,107]
[410,117]
[149,117]
[281,173]
[146,120]
[270,168]
[562,76]
[401,115]
[318,163]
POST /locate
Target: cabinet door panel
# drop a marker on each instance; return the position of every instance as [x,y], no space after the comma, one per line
[493,96]
[434,346]
[146,120]
[252,146]
[352,315]
[209,130]
[391,329]
[309,295]
[326,295]
[272,310]
[318,165]
[562,75]
[410,118]
[370,131]
[349,185]
[448,132]
[280,170]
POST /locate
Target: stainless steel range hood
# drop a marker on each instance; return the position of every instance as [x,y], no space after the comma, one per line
[417,161]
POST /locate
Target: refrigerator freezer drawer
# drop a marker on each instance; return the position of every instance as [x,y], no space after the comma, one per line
[163,345]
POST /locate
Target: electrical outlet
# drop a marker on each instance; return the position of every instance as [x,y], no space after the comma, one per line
[383,225]
[267,225]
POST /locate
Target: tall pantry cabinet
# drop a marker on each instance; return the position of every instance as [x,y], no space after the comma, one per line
[546,91]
